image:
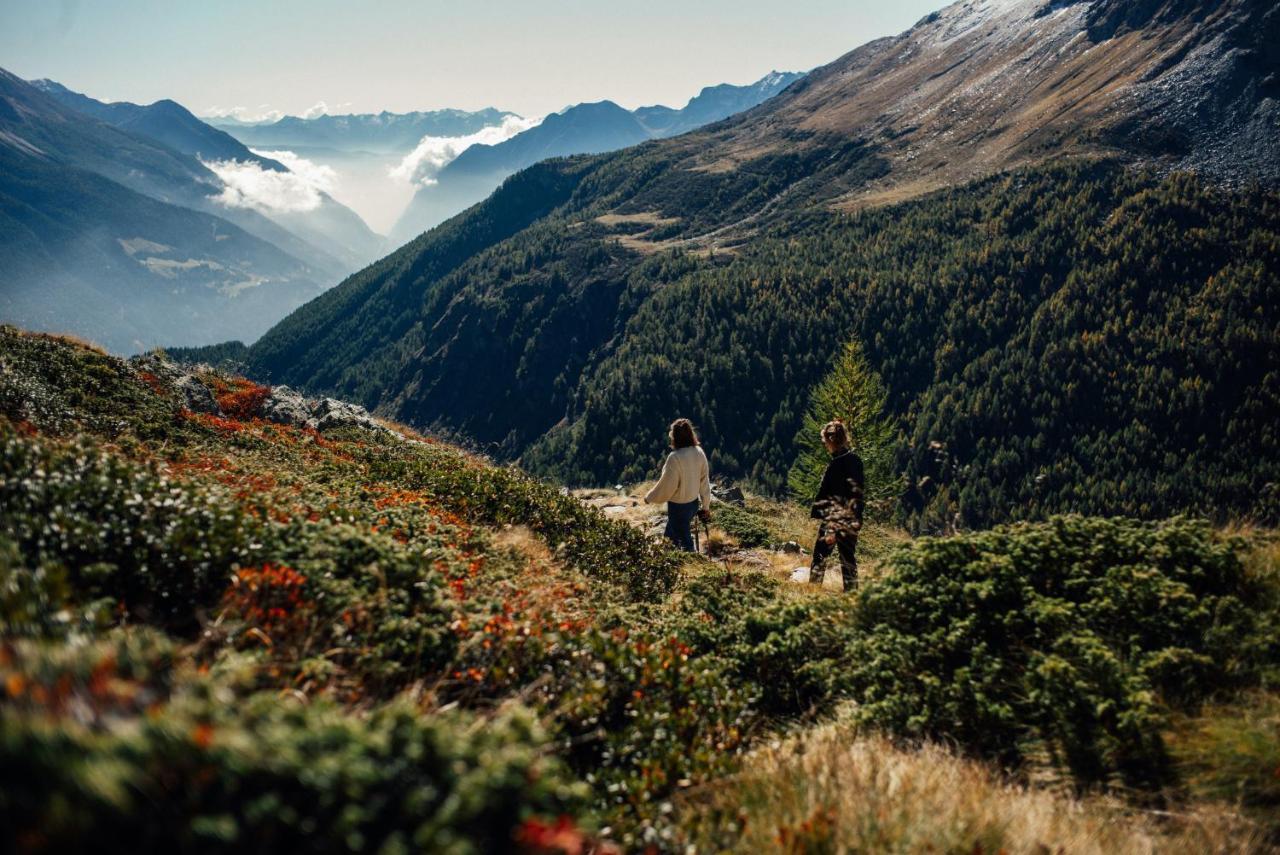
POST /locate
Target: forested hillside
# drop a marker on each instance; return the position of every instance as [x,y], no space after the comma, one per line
[1075,338]
[1071,322]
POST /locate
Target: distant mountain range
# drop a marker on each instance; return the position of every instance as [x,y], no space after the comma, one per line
[335,237]
[378,133]
[116,229]
[581,129]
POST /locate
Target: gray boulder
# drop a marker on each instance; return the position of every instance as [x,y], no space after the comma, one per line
[332,413]
[287,407]
[197,397]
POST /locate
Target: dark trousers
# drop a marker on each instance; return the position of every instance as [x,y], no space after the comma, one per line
[679,516]
[846,544]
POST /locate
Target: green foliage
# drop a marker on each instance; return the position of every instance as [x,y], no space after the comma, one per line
[747,527]
[643,716]
[1074,636]
[206,771]
[608,551]
[853,393]
[84,520]
[59,387]
[792,652]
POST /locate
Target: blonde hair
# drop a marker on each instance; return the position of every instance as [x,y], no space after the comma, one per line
[835,433]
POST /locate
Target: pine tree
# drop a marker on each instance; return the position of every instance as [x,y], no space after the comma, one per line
[853,393]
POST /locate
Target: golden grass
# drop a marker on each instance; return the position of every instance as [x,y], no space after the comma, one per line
[1231,752]
[833,791]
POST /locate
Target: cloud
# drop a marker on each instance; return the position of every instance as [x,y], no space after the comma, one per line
[318,109]
[261,115]
[432,154]
[249,185]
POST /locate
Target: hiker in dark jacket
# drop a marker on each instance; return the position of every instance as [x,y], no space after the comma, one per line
[839,505]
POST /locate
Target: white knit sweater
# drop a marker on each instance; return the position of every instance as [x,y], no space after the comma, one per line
[685,477]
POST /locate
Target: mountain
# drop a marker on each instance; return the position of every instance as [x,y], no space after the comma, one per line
[581,129]
[1054,227]
[327,224]
[714,103]
[380,133]
[165,121]
[110,235]
[84,254]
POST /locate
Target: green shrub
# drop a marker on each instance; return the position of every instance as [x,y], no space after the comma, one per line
[97,525]
[609,551]
[791,652]
[641,716]
[366,602]
[209,772]
[1073,636]
[745,526]
[60,386]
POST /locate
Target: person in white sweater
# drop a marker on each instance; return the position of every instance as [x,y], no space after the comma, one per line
[685,484]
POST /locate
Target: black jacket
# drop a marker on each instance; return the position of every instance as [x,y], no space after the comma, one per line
[842,488]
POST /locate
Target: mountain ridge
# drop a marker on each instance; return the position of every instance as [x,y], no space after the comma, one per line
[586,128]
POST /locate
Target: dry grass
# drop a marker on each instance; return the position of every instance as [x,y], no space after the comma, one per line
[67,338]
[831,790]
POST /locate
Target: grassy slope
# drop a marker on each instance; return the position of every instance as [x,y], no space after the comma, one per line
[277,618]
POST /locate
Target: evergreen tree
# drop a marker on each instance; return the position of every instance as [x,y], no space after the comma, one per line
[853,393]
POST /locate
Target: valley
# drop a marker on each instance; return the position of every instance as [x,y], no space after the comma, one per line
[325,442]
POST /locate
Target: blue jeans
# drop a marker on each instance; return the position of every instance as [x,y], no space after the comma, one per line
[679,516]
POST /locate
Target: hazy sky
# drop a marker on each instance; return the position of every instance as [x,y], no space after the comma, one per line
[530,56]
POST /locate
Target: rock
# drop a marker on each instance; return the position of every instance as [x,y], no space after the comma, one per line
[791,547]
[800,574]
[613,510]
[197,397]
[729,495]
[287,407]
[157,365]
[332,413]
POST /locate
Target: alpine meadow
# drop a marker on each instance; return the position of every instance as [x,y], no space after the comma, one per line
[874,458]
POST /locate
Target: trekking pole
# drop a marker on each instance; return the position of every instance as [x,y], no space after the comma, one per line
[697,545]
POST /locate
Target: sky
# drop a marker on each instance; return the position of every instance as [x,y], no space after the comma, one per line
[529,56]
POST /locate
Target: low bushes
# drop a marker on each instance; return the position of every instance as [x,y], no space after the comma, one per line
[1073,637]
[98,524]
[205,770]
[608,551]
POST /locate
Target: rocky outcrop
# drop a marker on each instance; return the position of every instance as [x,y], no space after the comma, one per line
[287,407]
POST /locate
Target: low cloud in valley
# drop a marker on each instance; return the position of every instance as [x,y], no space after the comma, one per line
[432,154]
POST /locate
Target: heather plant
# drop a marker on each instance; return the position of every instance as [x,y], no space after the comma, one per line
[103,526]
[748,528]
[1072,638]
